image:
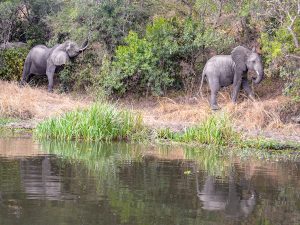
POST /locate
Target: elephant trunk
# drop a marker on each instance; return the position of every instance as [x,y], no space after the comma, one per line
[84,46]
[260,76]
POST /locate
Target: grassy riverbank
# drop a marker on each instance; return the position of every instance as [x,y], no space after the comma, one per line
[163,120]
[105,122]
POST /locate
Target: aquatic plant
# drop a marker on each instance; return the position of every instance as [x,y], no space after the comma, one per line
[101,122]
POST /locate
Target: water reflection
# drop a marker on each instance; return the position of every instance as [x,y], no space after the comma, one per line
[40,180]
[78,183]
[235,200]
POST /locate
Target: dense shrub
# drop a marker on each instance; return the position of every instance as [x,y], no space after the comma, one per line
[25,20]
[108,21]
[11,63]
[291,74]
[281,58]
[146,53]
[151,63]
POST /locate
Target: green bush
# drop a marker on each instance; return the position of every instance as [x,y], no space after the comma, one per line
[290,72]
[11,63]
[277,43]
[151,63]
[100,122]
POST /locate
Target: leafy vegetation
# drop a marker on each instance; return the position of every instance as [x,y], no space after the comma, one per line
[100,122]
[149,47]
[152,63]
[11,63]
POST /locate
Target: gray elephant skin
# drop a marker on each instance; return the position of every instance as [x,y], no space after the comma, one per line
[45,61]
[224,70]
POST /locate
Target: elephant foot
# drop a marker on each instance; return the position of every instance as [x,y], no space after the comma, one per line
[50,90]
[22,83]
[215,107]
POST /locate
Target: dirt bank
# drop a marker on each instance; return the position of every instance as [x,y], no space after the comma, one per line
[269,116]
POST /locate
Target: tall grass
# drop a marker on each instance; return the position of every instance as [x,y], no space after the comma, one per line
[101,122]
[217,129]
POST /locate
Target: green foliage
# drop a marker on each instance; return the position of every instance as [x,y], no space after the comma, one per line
[101,122]
[113,19]
[25,20]
[108,21]
[11,63]
[71,22]
[277,42]
[146,55]
[151,63]
[291,74]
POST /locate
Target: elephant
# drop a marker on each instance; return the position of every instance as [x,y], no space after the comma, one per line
[45,61]
[224,70]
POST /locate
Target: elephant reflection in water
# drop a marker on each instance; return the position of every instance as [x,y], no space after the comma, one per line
[39,179]
[228,199]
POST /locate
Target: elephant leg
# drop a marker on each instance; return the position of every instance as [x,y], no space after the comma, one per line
[236,88]
[247,88]
[215,87]
[50,74]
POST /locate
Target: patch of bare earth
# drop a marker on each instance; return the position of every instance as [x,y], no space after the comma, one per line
[33,104]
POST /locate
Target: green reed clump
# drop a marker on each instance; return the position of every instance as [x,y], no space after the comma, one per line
[217,129]
[102,122]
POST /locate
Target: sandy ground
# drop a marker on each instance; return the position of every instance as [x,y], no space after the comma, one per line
[269,116]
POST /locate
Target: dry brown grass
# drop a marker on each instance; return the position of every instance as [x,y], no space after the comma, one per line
[247,115]
[28,103]
[174,112]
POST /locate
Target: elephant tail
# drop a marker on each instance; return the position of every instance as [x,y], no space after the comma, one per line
[202,79]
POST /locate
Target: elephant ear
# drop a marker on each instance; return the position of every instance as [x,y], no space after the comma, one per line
[59,58]
[239,56]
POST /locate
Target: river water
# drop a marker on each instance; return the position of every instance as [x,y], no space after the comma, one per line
[85,184]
